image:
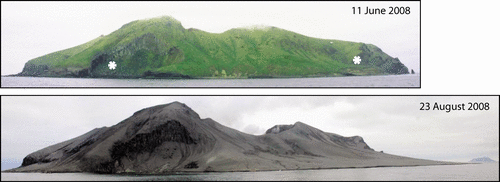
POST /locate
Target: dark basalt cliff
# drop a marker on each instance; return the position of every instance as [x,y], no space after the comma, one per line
[163,48]
[172,137]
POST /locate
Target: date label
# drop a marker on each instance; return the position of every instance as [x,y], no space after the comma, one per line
[470,106]
[382,11]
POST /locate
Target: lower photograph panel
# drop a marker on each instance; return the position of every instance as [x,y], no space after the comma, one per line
[250,137]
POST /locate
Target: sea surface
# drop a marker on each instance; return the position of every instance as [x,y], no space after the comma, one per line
[482,172]
[350,81]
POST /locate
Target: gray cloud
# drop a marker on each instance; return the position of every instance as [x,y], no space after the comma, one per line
[251,128]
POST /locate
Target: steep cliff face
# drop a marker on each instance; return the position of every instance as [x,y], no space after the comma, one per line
[161,47]
[136,58]
[172,137]
[373,56]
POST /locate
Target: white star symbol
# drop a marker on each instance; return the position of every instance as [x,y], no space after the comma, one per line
[112,65]
[356,60]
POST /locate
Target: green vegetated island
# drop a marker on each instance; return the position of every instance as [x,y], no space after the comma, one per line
[173,138]
[162,48]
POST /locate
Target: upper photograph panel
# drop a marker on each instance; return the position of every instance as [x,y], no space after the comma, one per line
[211,44]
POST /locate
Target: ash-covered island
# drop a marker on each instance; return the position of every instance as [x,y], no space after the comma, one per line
[173,138]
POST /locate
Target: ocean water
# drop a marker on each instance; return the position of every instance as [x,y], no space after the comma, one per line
[351,81]
[481,172]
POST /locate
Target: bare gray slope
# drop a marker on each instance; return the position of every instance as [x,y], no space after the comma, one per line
[172,137]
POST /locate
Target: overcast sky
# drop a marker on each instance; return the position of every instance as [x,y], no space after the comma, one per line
[33,29]
[394,124]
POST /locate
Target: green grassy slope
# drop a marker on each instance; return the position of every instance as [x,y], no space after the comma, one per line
[162,47]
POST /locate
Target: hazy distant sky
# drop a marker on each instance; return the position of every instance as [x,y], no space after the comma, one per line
[394,124]
[33,29]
